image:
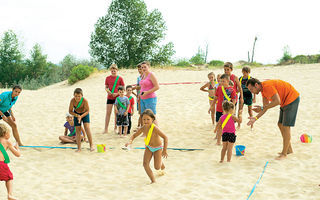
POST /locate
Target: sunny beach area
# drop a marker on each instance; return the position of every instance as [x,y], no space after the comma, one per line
[182,112]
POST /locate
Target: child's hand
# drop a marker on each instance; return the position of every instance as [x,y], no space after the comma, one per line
[125,113]
[164,154]
[79,119]
[5,118]
[115,94]
[16,146]
[209,111]
[254,100]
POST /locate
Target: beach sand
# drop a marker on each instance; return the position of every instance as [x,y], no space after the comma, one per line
[182,114]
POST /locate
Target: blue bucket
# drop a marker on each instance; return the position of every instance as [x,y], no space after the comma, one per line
[240,149]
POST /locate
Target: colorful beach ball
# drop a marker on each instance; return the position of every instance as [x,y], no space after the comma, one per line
[305,138]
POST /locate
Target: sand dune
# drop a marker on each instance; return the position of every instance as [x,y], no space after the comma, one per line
[182,113]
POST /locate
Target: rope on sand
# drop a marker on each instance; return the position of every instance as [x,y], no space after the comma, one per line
[178,149]
[49,147]
[178,83]
[254,187]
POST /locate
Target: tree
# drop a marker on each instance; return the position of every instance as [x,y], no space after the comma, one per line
[129,34]
[286,55]
[37,64]
[11,66]
[199,58]
[68,62]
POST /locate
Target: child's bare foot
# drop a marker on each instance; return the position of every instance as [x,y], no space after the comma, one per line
[281,157]
[238,127]
[218,143]
[105,132]
[10,197]
[92,149]
[160,173]
[280,153]
[221,161]
[78,150]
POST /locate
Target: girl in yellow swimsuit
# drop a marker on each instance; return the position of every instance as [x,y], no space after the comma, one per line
[212,86]
[153,143]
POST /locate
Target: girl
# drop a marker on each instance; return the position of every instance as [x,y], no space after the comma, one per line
[153,143]
[111,85]
[226,123]
[211,85]
[138,87]
[79,108]
[71,137]
[5,144]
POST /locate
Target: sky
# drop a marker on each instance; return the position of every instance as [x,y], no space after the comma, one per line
[64,27]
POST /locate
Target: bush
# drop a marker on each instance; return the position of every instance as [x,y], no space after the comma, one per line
[182,63]
[216,63]
[80,72]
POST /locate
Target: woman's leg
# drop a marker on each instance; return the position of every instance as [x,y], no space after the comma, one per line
[108,114]
[89,135]
[146,164]
[14,128]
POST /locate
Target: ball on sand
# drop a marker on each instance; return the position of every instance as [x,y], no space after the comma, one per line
[305,138]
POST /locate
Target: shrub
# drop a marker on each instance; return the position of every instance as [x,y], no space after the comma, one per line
[182,63]
[216,63]
[80,72]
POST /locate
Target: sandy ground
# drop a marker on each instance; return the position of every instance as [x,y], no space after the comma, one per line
[182,113]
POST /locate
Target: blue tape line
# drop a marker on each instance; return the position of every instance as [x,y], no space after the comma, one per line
[254,187]
[49,147]
[179,149]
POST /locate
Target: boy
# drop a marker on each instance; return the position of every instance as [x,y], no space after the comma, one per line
[224,93]
[131,105]
[79,108]
[5,173]
[121,109]
[228,68]
[247,95]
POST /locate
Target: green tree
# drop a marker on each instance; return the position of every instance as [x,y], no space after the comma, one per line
[199,58]
[11,63]
[286,55]
[68,62]
[37,65]
[129,34]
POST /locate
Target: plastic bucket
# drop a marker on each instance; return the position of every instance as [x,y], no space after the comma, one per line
[101,148]
[240,149]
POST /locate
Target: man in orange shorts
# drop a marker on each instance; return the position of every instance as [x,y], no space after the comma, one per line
[277,92]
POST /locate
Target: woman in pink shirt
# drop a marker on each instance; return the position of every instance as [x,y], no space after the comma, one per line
[112,83]
[149,84]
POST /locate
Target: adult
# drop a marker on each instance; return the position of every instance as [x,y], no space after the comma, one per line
[112,83]
[7,100]
[277,92]
[149,84]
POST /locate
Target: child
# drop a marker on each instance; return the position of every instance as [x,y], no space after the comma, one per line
[112,83]
[79,108]
[224,92]
[5,144]
[71,137]
[226,123]
[211,85]
[247,95]
[131,105]
[138,87]
[228,68]
[153,143]
[121,109]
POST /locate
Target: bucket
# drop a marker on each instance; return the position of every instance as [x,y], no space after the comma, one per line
[101,148]
[240,149]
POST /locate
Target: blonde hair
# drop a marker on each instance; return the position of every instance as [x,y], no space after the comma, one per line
[3,130]
[227,106]
[145,63]
[113,66]
[211,73]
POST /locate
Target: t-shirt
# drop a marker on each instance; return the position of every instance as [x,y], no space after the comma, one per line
[110,81]
[243,85]
[125,101]
[219,94]
[6,101]
[131,105]
[138,83]
[232,78]
[285,90]
[70,128]
[229,127]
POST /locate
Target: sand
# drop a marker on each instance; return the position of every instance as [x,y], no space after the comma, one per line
[182,113]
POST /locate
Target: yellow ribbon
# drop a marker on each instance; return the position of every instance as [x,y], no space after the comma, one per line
[225,94]
[242,77]
[147,139]
[225,121]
